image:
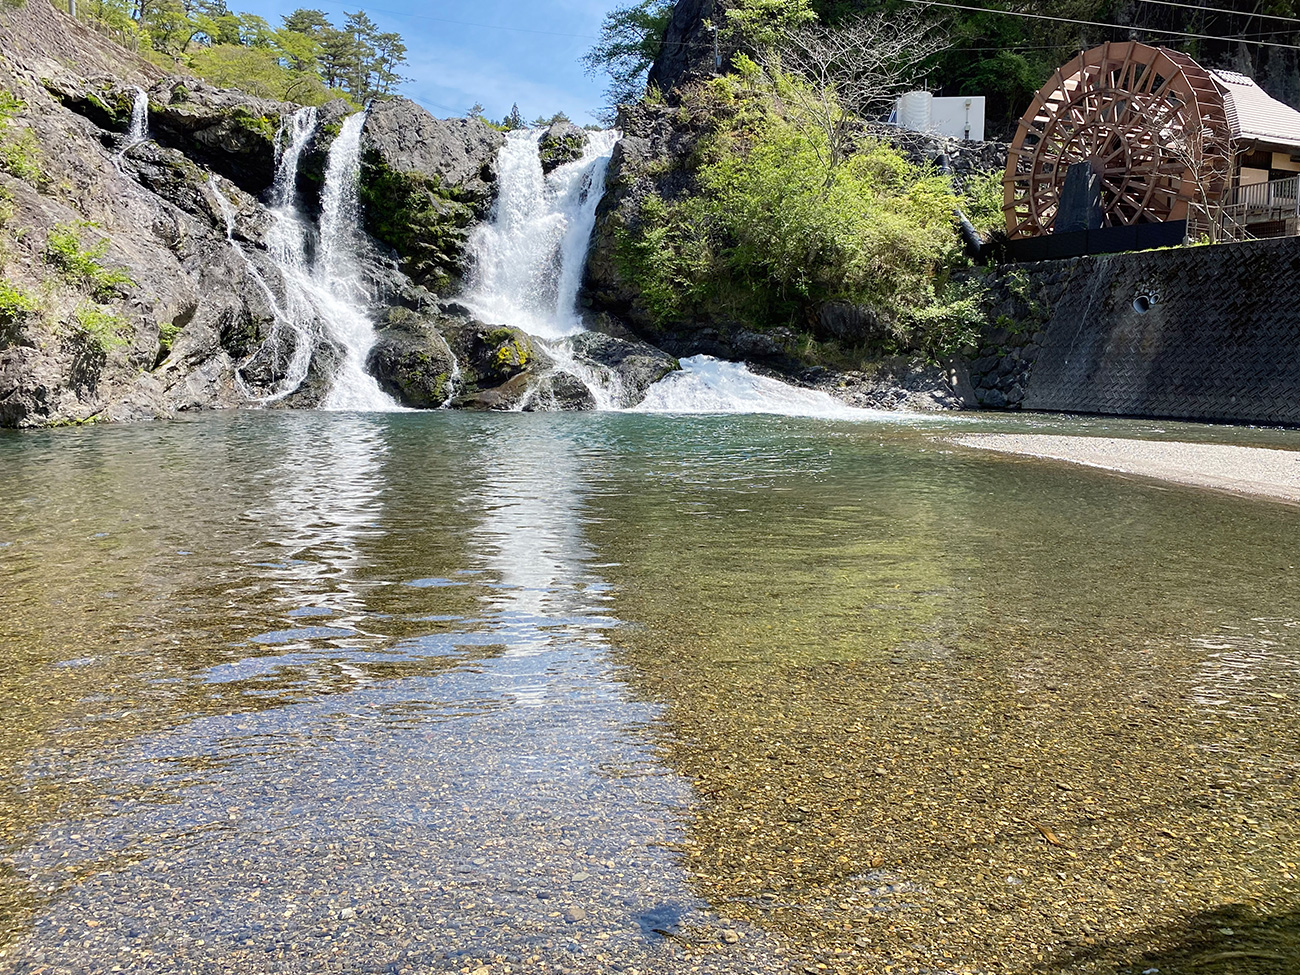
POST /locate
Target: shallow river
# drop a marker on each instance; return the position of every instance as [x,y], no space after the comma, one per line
[541,693]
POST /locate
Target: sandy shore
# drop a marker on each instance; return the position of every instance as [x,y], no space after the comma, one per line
[1253,471]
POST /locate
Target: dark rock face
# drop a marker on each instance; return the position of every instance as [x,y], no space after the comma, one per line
[227,131]
[562,143]
[103,100]
[412,361]
[651,158]
[687,50]
[186,324]
[636,365]
[424,183]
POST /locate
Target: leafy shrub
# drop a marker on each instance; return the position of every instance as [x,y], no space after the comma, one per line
[20,151]
[779,228]
[64,251]
[982,201]
[97,328]
[16,307]
[14,302]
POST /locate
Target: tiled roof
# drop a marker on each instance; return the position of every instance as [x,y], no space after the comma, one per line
[1256,116]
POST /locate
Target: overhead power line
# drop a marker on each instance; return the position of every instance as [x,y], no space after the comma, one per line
[1222,10]
[1096,23]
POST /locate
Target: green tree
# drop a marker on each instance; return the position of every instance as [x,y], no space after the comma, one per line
[630,40]
[760,23]
[362,30]
[515,120]
[337,58]
[390,54]
[312,23]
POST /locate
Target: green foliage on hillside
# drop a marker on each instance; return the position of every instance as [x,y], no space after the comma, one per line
[20,152]
[83,265]
[97,328]
[1005,52]
[776,231]
[306,60]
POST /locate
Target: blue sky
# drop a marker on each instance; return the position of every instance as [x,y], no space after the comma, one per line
[495,52]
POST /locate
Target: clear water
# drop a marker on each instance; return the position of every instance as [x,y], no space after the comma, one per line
[282,694]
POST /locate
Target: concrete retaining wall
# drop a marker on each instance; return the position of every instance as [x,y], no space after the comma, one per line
[1199,333]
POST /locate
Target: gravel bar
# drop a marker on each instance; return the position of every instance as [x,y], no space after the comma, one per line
[1254,471]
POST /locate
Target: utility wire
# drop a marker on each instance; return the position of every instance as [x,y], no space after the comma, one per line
[1095,23]
[1222,10]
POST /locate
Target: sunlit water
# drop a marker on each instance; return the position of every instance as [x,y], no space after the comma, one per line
[429,692]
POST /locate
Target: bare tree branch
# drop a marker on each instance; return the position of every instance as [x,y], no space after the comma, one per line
[851,68]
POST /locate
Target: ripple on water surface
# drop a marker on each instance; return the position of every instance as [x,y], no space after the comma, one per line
[630,692]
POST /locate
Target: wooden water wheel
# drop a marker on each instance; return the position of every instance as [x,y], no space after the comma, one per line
[1151,121]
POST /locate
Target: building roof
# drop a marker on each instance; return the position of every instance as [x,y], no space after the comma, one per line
[1254,115]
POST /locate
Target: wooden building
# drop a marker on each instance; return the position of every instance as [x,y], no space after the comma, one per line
[1127,135]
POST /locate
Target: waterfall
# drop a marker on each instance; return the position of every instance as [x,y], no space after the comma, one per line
[708,385]
[324,291]
[139,130]
[528,259]
[338,274]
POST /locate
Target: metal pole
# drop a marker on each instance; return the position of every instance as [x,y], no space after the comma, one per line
[72,8]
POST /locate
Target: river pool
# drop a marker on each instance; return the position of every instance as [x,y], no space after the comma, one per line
[313,692]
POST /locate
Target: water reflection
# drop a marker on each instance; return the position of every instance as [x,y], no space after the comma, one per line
[303,692]
[384,734]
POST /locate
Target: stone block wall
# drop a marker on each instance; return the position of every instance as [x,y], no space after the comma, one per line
[1191,333]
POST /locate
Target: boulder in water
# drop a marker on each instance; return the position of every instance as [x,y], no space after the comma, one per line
[637,365]
[411,361]
[425,182]
[562,143]
[559,390]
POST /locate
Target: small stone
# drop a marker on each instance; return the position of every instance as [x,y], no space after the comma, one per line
[575,914]
[581,876]
[348,913]
[730,937]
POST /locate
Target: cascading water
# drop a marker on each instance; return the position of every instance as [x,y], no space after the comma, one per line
[528,258]
[337,274]
[324,297]
[139,130]
[708,385]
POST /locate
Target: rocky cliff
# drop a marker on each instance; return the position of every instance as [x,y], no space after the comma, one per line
[146,277]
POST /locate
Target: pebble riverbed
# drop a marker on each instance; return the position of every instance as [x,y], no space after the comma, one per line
[299,693]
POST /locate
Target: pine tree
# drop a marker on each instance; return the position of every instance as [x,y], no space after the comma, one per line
[515,120]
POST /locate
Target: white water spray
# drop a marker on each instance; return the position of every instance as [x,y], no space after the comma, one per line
[139,130]
[324,297]
[528,259]
[338,276]
[708,385]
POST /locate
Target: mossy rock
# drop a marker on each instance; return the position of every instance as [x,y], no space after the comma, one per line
[412,362]
[562,143]
[104,103]
[503,353]
[427,224]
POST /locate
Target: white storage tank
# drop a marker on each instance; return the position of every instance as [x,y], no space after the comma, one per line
[914,110]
